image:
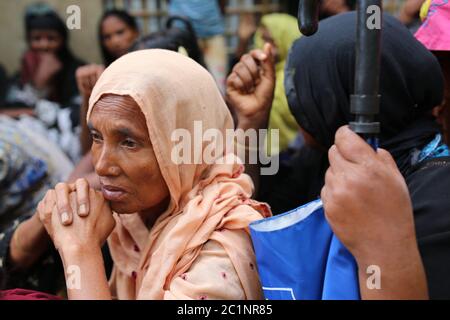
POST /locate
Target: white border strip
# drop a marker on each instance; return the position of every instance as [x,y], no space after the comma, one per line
[286,219]
[281,289]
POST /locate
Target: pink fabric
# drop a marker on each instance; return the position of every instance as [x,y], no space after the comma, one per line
[435,30]
[23,294]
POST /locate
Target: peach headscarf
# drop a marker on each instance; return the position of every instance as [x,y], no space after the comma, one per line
[208,202]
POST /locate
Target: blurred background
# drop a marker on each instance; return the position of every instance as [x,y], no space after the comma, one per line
[151,16]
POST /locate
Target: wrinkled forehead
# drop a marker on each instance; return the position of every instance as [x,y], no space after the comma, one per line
[111,108]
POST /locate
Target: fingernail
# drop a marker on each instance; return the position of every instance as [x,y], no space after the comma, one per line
[83,209]
[64,217]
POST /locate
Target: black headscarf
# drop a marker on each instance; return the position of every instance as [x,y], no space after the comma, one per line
[411,84]
[320,80]
[41,16]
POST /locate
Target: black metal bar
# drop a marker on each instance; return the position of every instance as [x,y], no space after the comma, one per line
[308,16]
[365,100]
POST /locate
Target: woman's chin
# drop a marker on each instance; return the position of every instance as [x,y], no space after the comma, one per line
[122,208]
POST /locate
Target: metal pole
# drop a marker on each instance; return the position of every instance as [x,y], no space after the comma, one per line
[308,16]
[365,102]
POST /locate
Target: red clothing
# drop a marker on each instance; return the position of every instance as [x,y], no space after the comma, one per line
[23,294]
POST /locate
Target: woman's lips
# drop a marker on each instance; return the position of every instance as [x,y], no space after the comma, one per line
[112,193]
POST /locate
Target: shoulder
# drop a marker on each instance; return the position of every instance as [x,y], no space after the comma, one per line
[224,270]
[429,187]
[211,276]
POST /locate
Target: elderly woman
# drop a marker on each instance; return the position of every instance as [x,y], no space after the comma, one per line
[174,231]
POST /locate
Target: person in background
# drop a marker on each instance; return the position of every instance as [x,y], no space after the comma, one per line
[182,40]
[280,30]
[246,31]
[117,32]
[208,22]
[48,66]
[409,14]
[329,8]
[435,35]
[411,85]
[44,95]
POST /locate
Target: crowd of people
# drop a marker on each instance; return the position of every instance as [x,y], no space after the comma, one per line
[88,178]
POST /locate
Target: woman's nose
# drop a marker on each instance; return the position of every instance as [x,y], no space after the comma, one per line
[44,44]
[116,41]
[106,165]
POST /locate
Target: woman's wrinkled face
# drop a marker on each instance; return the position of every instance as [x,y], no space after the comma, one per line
[117,36]
[45,40]
[123,157]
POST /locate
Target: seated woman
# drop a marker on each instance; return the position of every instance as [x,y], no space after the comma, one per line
[180,229]
[19,267]
[172,38]
[48,66]
[45,88]
[411,85]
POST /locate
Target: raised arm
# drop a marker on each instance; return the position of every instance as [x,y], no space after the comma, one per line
[250,90]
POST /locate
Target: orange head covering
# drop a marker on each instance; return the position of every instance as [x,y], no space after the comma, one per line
[208,201]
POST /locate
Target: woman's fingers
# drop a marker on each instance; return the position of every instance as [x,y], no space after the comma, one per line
[338,164]
[82,191]
[387,158]
[63,204]
[258,54]
[251,66]
[266,60]
[235,82]
[46,205]
[244,74]
[352,147]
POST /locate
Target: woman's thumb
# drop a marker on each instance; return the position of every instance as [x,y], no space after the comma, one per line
[268,64]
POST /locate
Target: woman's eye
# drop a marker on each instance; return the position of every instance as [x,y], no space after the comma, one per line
[96,137]
[129,143]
